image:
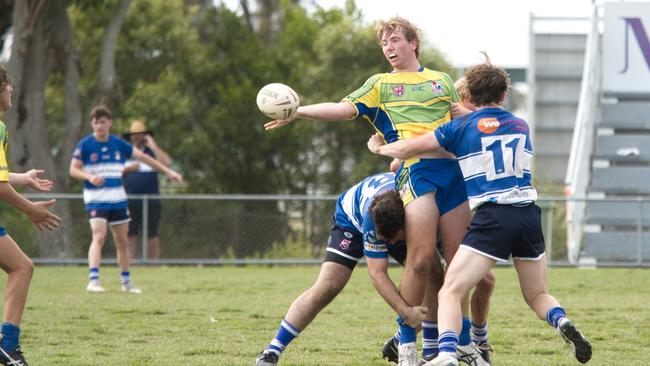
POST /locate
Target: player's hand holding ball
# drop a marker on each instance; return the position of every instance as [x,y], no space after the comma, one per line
[278,101]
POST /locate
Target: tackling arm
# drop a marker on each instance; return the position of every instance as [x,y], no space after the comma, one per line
[378,271]
[403,149]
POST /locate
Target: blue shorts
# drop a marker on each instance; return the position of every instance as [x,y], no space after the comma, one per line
[114,217]
[346,248]
[498,231]
[442,176]
[3,232]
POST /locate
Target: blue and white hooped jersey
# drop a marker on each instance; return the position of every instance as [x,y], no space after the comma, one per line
[495,154]
[353,212]
[105,159]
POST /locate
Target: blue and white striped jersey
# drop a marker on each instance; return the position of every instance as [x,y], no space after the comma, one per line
[105,159]
[495,154]
[353,212]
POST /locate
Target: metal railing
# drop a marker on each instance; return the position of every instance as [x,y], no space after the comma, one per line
[579,167]
[257,229]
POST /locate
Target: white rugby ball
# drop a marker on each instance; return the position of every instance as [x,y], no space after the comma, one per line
[278,101]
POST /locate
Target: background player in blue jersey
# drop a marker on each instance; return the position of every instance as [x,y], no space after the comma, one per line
[99,161]
[368,221]
[13,260]
[495,154]
[402,104]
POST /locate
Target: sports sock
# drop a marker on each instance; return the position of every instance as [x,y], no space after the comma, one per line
[286,333]
[479,333]
[407,333]
[125,277]
[554,315]
[447,343]
[429,338]
[93,274]
[10,336]
[464,339]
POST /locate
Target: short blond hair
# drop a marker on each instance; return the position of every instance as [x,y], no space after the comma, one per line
[410,31]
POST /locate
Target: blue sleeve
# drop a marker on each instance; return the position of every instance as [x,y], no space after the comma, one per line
[125,147]
[447,134]
[79,151]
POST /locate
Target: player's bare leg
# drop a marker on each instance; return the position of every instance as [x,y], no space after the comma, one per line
[331,280]
[99,229]
[119,232]
[533,283]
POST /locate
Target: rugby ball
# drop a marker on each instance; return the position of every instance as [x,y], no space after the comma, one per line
[278,101]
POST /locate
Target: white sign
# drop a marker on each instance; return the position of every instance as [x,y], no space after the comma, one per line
[626,48]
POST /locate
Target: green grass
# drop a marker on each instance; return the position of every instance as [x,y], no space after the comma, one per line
[226,315]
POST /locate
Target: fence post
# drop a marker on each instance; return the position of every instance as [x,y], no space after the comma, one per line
[145,229]
[639,261]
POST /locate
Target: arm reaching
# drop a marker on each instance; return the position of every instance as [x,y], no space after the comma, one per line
[172,175]
[378,270]
[36,211]
[31,179]
[161,155]
[321,111]
[403,149]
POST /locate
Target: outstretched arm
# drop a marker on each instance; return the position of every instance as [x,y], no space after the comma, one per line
[31,179]
[321,111]
[157,165]
[378,270]
[36,211]
[403,149]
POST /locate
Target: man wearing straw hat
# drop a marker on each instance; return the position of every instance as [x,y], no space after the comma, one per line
[140,178]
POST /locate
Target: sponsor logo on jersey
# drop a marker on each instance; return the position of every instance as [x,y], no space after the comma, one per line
[436,87]
[348,234]
[375,247]
[345,244]
[118,156]
[488,125]
[104,149]
[398,90]
[94,157]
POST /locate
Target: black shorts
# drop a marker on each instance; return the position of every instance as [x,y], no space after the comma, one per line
[114,217]
[346,248]
[153,220]
[499,231]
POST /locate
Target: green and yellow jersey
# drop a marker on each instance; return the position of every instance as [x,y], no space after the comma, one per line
[404,105]
[4,143]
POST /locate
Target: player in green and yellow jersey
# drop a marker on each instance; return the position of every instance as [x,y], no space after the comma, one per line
[407,102]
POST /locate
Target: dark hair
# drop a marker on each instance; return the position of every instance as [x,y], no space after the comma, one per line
[4,78]
[410,31]
[487,83]
[387,213]
[100,111]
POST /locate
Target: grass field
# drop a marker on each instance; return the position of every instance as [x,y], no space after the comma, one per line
[226,315]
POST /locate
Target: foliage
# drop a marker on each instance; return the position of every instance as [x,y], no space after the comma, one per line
[225,315]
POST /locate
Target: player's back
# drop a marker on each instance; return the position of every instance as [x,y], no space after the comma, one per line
[352,206]
[495,155]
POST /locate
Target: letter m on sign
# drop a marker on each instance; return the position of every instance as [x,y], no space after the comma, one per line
[636,25]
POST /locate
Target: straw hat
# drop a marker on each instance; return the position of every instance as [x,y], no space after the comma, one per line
[137,126]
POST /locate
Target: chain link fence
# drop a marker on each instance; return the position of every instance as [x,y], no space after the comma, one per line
[224,229]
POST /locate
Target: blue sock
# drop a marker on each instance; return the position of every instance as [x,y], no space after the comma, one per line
[465,338]
[448,342]
[10,336]
[429,338]
[554,316]
[125,277]
[93,274]
[407,333]
[479,333]
[286,333]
